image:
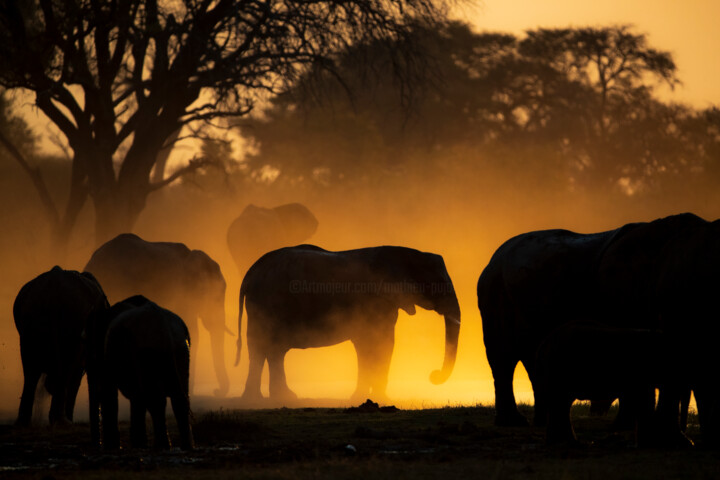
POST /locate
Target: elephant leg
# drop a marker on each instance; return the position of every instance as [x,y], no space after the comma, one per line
[71,394]
[138,429]
[627,414]
[58,388]
[257,362]
[540,408]
[192,324]
[181,410]
[109,412]
[559,428]
[503,369]
[665,422]
[644,414]
[684,408]
[362,388]
[374,365]
[600,407]
[31,379]
[278,383]
[708,405]
[156,406]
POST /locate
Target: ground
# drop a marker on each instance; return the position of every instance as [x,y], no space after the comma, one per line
[355,443]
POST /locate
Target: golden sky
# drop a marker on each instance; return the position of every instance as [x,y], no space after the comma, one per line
[689,29]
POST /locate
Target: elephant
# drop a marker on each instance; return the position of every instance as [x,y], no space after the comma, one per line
[533,283]
[51,312]
[259,230]
[186,282]
[539,280]
[143,351]
[587,360]
[305,296]
[645,275]
[664,274]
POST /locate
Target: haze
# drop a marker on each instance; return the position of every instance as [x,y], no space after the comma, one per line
[462,209]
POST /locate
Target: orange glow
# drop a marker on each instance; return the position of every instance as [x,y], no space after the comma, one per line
[463,223]
[687,29]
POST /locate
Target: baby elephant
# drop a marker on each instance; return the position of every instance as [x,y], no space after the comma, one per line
[583,361]
[142,350]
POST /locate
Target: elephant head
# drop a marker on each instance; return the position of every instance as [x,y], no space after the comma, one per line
[422,279]
[298,222]
[259,230]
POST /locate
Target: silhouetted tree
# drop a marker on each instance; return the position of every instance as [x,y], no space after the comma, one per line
[130,73]
[572,105]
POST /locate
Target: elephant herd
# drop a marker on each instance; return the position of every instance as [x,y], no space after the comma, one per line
[616,314]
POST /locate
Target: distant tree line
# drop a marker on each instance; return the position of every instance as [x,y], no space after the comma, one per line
[573,108]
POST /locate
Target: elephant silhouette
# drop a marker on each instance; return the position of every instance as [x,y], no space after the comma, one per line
[305,296]
[585,360]
[143,351]
[51,313]
[259,230]
[186,282]
[659,275]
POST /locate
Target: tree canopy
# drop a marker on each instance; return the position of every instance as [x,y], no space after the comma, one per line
[118,78]
[573,108]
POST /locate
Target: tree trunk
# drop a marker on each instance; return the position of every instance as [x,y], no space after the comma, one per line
[158,173]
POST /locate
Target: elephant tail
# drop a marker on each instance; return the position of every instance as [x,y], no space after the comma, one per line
[240,315]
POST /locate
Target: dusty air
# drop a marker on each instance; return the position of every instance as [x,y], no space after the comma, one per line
[337,214]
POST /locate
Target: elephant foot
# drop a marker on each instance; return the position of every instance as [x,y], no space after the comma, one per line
[624,422]
[221,392]
[110,445]
[540,420]
[664,439]
[22,422]
[61,423]
[515,419]
[359,397]
[283,395]
[252,396]
[161,443]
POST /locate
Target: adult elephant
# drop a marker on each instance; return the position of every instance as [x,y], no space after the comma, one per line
[587,360]
[187,282]
[143,351]
[626,277]
[533,283]
[259,230]
[304,296]
[51,312]
[664,274]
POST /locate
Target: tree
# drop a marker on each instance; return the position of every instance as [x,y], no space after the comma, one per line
[563,109]
[130,73]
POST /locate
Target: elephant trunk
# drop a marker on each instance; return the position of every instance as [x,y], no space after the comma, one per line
[452,332]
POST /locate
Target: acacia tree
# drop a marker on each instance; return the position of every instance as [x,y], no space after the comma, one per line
[132,72]
[613,61]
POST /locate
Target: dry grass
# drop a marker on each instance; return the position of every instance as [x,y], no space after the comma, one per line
[320,443]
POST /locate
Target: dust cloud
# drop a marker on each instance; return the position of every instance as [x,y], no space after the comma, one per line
[462,217]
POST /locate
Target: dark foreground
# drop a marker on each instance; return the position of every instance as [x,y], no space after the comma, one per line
[333,443]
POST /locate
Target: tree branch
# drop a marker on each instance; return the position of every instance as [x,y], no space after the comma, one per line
[195,164]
